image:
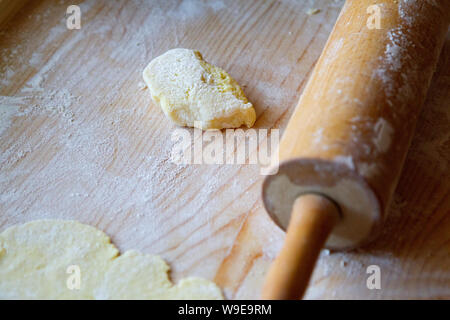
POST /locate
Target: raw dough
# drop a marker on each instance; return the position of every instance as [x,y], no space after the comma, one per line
[193,92]
[34,259]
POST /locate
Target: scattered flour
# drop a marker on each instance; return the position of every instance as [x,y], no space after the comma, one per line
[7,112]
[383,135]
[346,160]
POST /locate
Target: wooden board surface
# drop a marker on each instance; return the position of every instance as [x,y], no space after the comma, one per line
[80,139]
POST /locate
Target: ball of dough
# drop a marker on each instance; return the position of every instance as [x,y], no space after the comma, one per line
[194,93]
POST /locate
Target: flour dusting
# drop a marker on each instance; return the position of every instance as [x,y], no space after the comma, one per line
[7,112]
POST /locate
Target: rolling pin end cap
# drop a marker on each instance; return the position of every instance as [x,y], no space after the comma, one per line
[359,207]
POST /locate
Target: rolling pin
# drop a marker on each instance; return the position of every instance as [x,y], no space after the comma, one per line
[342,152]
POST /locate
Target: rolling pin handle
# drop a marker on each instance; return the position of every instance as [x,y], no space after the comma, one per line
[312,220]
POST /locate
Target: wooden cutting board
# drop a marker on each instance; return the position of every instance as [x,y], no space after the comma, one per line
[80,139]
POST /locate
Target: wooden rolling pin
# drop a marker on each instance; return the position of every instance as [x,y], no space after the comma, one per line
[344,147]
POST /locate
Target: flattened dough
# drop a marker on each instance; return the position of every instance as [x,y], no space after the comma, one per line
[34,258]
[194,93]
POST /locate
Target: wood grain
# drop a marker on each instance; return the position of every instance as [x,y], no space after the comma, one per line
[9,8]
[87,143]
